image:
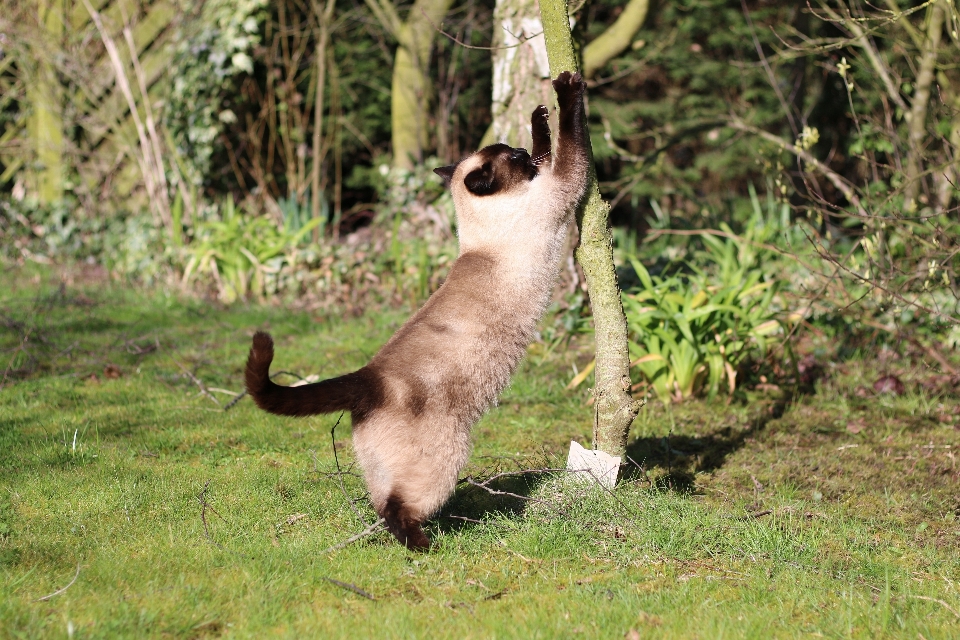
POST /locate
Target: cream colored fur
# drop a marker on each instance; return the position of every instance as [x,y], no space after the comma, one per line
[414,403]
[523,232]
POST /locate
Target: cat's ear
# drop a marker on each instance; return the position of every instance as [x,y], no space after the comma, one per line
[481,182]
[446,173]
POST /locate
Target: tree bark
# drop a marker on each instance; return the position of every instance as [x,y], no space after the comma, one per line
[612,42]
[521,72]
[917,125]
[615,409]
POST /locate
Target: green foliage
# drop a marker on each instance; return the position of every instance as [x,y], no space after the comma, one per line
[689,336]
[210,48]
[692,64]
[691,331]
[240,252]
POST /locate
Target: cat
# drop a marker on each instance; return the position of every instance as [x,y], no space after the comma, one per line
[414,404]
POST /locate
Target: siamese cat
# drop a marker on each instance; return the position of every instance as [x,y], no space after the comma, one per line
[414,404]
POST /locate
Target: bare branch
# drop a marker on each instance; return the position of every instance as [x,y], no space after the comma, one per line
[350,587]
[842,184]
[370,530]
[862,41]
[59,591]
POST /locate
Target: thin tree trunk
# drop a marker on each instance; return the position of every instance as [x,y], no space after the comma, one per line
[336,110]
[918,106]
[46,97]
[948,180]
[323,23]
[411,89]
[615,408]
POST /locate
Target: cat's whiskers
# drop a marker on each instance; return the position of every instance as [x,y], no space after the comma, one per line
[540,158]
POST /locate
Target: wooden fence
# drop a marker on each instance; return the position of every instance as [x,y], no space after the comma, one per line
[72,114]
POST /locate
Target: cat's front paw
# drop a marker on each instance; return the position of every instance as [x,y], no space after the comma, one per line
[569,86]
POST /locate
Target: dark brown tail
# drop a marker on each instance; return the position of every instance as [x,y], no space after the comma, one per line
[346,393]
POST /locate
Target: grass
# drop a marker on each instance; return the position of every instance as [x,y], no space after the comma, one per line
[752,519]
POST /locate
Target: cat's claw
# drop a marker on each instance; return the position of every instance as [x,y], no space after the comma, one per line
[569,85]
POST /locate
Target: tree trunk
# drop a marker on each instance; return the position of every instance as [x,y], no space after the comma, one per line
[46,97]
[323,23]
[947,181]
[411,89]
[521,72]
[918,107]
[615,408]
[616,38]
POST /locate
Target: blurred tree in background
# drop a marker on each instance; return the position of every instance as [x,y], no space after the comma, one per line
[123,141]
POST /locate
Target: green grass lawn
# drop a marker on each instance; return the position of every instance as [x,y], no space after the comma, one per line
[833,516]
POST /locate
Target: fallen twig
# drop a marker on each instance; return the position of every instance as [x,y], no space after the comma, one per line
[59,591]
[336,458]
[198,382]
[466,519]
[202,499]
[226,391]
[350,587]
[237,399]
[496,492]
[373,528]
[939,601]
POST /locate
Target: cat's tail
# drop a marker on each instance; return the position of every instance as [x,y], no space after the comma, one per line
[350,392]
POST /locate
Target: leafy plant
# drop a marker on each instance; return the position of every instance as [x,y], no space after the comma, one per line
[688,335]
[690,331]
[240,251]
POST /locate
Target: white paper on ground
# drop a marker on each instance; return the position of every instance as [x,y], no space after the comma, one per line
[593,465]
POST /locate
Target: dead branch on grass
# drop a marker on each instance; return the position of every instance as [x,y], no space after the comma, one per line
[497,492]
[59,591]
[198,382]
[336,458]
[939,601]
[350,587]
[369,531]
[204,505]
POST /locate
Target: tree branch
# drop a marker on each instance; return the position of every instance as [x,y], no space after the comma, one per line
[386,14]
[611,43]
[838,181]
[862,41]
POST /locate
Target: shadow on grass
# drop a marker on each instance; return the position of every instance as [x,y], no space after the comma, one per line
[471,505]
[678,458]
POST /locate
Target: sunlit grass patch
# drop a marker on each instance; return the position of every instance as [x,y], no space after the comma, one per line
[752,518]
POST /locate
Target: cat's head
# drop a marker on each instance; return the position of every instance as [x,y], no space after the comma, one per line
[493,192]
[495,170]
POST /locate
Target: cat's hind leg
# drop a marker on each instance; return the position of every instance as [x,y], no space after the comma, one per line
[405,523]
